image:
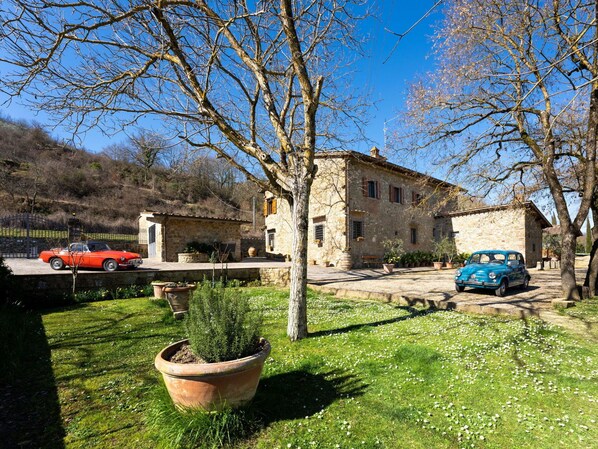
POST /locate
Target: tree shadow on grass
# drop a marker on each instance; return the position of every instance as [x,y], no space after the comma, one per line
[413,313]
[297,394]
[29,407]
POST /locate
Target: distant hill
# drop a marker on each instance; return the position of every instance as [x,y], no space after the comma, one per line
[41,175]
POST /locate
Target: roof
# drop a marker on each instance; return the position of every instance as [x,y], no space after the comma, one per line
[194,217]
[382,162]
[480,210]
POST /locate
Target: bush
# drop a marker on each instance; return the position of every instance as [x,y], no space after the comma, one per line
[220,324]
[6,283]
[394,250]
[197,247]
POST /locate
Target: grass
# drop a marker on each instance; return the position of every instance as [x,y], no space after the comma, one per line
[371,375]
[586,314]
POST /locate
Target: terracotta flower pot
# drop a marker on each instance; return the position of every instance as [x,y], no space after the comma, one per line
[252,252]
[211,386]
[437,265]
[178,298]
[388,267]
[159,289]
[450,265]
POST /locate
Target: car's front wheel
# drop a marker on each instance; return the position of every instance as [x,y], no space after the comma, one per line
[110,265]
[459,288]
[502,289]
[57,263]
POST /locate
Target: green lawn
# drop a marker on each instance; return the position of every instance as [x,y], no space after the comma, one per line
[371,375]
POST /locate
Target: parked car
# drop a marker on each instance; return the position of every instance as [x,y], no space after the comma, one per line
[493,269]
[90,255]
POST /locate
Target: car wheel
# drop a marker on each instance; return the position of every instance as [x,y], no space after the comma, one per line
[110,265]
[525,283]
[502,289]
[56,263]
[459,288]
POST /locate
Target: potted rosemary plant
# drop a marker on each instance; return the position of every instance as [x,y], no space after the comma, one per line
[221,362]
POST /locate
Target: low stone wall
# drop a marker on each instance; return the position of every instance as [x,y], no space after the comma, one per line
[280,277]
[42,285]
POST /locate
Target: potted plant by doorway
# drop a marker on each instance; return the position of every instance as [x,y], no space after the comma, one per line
[220,364]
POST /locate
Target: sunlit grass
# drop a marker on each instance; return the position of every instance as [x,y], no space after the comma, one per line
[370,375]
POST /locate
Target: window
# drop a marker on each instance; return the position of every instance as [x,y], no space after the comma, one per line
[270,207]
[356,229]
[271,235]
[319,233]
[416,198]
[395,194]
[413,236]
[370,189]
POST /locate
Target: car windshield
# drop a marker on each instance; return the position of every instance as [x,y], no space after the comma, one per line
[488,258]
[98,246]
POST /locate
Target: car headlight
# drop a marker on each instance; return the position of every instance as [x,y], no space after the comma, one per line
[458,272]
[492,275]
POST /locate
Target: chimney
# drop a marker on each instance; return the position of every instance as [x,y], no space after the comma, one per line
[375,153]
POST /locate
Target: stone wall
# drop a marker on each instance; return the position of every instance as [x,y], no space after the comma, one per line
[513,228]
[326,208]
[279,277]
[39,285]
[382,218]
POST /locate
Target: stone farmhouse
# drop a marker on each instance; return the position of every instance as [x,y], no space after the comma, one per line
[359,201]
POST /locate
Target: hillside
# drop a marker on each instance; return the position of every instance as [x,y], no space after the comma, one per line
[39,174]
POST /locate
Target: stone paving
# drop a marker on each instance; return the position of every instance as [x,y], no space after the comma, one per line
[428,287]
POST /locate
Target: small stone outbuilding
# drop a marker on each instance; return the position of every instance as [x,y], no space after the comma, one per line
[166,235]
[515,226]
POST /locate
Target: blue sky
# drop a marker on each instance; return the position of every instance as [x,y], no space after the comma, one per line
[386,82]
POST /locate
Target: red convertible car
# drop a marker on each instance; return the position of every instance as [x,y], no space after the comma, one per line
[90,255]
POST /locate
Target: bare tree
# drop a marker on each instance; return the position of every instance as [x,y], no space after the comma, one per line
[252,81]
[513,106]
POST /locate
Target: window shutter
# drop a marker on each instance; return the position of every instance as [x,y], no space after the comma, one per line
[265,208]
[364,186]
[377,190]
[274,205]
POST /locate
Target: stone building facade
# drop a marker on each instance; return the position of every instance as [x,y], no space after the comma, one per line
[516,226]
[167,235]
[359,201]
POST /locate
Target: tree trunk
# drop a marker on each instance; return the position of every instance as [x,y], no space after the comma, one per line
[297,320]
[568,282]
[591,280]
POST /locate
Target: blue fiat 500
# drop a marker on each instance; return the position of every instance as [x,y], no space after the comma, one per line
[493,269]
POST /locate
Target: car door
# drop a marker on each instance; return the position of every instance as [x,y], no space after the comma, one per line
[515,270]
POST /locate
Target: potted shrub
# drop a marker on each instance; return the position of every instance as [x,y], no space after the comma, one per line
[440,250]
[221,363]
[177,295]
[451,253]
[394,252]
